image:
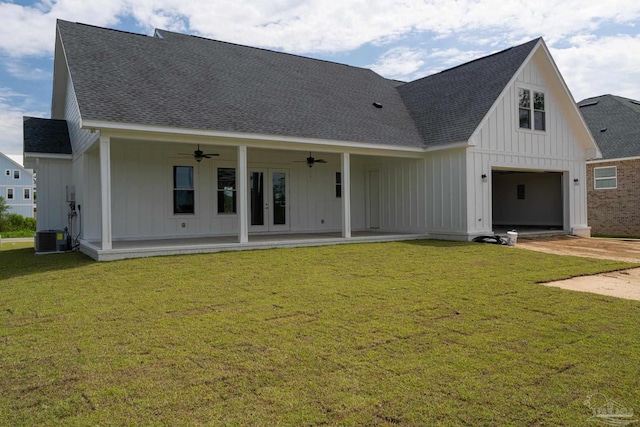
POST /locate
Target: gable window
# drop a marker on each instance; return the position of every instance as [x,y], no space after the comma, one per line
[16,174]
[529,108]
[338,185]
[183,190]
[27,194]
[605,178]
[9,193]
[226,190]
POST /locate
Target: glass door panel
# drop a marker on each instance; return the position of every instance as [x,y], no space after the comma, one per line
[279,186]
[268,194]
[257,206]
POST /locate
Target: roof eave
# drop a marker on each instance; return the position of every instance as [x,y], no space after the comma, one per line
[145,131]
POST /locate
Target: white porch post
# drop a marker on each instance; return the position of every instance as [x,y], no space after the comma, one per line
[243,210]
[105,191]
[346,195]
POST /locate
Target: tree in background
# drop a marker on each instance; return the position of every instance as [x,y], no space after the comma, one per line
[14,223]
[4,208]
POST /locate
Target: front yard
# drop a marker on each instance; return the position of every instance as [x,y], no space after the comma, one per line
[413,333]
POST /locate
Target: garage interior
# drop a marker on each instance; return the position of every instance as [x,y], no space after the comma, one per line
[527,200]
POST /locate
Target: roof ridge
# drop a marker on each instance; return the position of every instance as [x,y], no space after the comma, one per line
[626,101]
[478,59]
[262,49]
[103,28]
[13,161]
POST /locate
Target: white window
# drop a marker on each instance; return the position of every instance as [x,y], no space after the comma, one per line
[16,174]
[183,190]
[226,190]
[27,194]
[9,193]
[528,109]
[605,178]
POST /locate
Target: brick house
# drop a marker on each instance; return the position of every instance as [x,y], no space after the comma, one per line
[613,182]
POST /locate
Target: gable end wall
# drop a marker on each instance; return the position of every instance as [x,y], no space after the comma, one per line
[501,144]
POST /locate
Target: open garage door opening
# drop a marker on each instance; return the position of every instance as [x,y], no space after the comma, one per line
[527,201]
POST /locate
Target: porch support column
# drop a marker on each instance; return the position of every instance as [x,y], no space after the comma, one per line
[105,192]
[346,195]
[242,197]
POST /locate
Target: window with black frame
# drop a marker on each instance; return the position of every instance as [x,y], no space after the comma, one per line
[226,190]
[183,190]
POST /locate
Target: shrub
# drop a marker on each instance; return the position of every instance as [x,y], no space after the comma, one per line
[16,222]
[30,224]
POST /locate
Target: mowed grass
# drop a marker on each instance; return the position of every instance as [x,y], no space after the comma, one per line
[414,333]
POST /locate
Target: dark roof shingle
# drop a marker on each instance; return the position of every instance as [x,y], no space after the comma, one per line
[45,136]
[185,81]
[447,107]
[614,122]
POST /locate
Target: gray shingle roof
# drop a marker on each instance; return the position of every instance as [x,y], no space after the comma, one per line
[447,107]
[185,81]
[614,122]
[45,136]
[191,82]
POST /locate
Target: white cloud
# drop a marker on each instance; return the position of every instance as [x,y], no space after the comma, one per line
[30,30]
[317,25]
[21,70]
[13,106]
[399,63]
[595,66]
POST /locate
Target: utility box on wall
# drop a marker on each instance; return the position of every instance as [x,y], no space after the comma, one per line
[71,193]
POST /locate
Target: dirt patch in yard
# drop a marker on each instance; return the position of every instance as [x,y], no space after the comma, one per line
[616,249]
[621,284]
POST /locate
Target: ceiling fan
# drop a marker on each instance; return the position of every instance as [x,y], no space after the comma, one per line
[199,154]
[311,160]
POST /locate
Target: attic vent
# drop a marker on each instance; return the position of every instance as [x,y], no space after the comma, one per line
[633,101]
[377,105]
[588,104]
[603,129]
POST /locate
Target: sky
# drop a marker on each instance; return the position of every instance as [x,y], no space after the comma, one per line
[595,43]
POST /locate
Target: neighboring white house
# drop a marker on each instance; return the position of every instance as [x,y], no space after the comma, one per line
[495,142]
[17,187]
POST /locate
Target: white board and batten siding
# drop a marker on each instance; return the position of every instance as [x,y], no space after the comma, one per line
[53,177]
[500,144]
[80,138]
[141,182]
[424,195]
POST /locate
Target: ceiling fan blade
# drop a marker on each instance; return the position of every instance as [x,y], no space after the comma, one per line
[210,155]
[320,161]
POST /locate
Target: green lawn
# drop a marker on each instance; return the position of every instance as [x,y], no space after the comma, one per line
[409,333]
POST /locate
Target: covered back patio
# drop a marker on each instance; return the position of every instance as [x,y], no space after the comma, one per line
[144,197]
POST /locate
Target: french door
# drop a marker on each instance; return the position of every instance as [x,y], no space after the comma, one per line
[268,200]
